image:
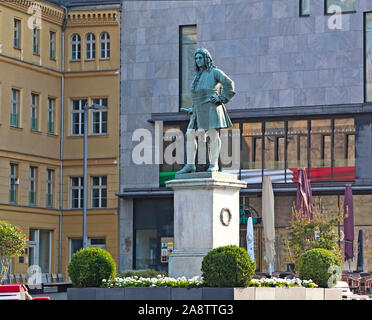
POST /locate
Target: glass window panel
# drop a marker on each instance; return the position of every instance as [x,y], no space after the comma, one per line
[171,131]
[345,5]
[304,7]
[228,135]
[368,56]
[344,150]
[297,144]
[146,249]
[44,251]
[274,145]
[320,151]
[188,48]
[251,151]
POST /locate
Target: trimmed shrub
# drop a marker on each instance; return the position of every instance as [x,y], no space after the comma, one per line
[320,265]
[145,273]
[228,266]
[88,267]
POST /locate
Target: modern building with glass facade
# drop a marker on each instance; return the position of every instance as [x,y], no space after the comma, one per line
[302,73]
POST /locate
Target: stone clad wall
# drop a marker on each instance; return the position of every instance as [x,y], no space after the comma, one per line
[275,57]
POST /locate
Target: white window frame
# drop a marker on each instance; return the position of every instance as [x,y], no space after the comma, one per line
[51,111]
[80,192]
[100,187]
[35,40]
[14,112]
[36,244]
[13,181]
[99,114]
[75,47]
[90,46]
[89,244]
[34,111]
[52,45]
[80,113]
[32,184]
[104,46]
[17,34]
[50,187]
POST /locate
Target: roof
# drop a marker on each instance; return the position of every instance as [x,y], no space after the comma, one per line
[79,3]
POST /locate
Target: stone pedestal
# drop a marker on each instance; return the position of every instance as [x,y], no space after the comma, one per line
[206,216]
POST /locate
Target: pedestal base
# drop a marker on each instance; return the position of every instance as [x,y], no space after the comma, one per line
[206,216]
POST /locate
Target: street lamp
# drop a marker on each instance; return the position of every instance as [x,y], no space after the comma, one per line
[86,108]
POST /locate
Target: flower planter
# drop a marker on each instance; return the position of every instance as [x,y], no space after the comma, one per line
[167,293]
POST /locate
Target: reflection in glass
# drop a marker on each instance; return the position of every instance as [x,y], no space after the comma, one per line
[368,57]
[305,7]
[345,5]
[297,144]
[344,152]
[146,249]
[274,145]
[320,149]
[251,151]
[188,47]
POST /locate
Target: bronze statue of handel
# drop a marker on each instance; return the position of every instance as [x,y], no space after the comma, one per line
[208,110]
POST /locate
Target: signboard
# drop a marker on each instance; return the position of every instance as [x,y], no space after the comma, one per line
[166,248]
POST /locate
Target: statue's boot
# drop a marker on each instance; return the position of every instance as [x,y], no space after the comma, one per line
[188,168]
[191,147]
[214,151]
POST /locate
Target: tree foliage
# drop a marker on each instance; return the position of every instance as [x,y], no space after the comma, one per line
[305,234]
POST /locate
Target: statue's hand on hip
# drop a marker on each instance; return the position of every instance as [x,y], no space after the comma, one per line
[216,100]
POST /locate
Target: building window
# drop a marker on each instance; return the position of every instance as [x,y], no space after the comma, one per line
[105,45]
[32,185]
[188,38]
[78,116]
[13,182]
[40,249]
[35,40]
[368,57]
[75,47]
[344,6]
[90,49]
[17,34]
[14,113]
[324,147]
[49,188]
[34,111]
[52,45]
[99,192]
[77,192]
[51,112]
[100,117]
[304,8]
[77,243]
[274,145]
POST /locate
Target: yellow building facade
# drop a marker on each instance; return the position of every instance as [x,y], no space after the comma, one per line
[53,61]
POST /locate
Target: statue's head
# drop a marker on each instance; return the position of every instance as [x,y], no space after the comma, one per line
[203,59]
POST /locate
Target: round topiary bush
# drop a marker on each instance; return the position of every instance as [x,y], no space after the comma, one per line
[88,267]
[320,265]
[228,266]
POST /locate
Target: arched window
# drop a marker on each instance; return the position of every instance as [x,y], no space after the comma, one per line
[90,49]
[75,47]
[105,45]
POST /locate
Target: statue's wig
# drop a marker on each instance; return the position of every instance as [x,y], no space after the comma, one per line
[207,58]
[208,63]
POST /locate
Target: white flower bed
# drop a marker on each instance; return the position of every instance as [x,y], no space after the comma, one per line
[197,282]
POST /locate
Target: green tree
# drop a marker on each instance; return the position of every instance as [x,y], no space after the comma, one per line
[13,242]
[305,234]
